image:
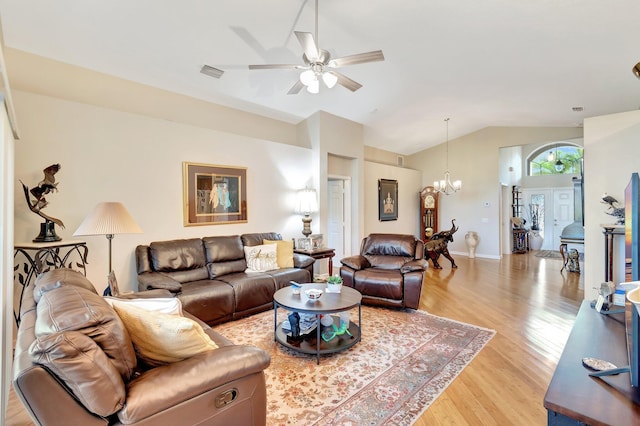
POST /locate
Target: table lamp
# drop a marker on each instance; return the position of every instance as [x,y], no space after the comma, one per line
[307,203]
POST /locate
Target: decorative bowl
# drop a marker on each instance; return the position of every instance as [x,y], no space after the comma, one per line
[313,293]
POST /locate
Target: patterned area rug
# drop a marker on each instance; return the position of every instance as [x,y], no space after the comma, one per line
[553,254]
[549,254]
[404,361]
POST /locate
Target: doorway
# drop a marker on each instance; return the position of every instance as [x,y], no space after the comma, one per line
[555,210]
[339,216]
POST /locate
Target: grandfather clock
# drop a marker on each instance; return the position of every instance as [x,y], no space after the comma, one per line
[428,213]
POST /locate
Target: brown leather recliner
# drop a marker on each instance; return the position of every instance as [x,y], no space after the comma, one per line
[74,364]
[388,271]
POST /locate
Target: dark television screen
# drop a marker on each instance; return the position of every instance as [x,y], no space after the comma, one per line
[632,268]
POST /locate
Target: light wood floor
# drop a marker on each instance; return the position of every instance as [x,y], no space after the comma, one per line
[530,304]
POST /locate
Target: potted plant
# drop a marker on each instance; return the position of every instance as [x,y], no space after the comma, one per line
[334,284]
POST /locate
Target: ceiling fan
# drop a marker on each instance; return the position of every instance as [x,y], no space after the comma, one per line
[318,65]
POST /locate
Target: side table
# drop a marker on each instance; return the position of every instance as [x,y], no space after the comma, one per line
[30,259]
[321,253]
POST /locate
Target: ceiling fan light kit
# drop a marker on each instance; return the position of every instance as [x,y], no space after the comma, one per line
[318,65]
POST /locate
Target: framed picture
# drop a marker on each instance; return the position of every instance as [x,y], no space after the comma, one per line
[316,241]
[387,199]
[303,244]
[214,194]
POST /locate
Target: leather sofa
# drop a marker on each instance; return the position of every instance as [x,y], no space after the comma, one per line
[389,270]
[68,328]
[208,275]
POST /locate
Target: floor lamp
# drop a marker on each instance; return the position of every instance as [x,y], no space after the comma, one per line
[108,219]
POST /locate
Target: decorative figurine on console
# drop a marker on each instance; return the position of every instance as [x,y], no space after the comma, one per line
[44,187]
[617,212]
[437,246]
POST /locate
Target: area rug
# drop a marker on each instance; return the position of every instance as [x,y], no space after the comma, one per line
[549,254]
[553,254]
[404,361]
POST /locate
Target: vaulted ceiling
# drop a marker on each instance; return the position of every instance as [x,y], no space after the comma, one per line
[480,63]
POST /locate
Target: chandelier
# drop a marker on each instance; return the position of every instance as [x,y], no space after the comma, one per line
[445,186]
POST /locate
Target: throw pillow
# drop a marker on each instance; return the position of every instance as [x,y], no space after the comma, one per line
[161,338]
[261,258]
[164,305]
[284,251]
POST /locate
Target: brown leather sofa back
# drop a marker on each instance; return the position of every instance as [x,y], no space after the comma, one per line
[182,260]
[225,255]
[390,251]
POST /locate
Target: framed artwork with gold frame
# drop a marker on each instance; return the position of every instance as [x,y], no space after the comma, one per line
[213,194]
[387,199]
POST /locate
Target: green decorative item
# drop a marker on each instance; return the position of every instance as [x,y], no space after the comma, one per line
[334,284]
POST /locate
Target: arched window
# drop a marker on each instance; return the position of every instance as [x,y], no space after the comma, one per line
[561,158]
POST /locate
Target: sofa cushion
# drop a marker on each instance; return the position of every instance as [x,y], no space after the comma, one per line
[284,252]
[70,308]
[163,338]
[386,284]
[212,301]
[223,249]
[84,368]
[389,251]
[177,255]
[261,258]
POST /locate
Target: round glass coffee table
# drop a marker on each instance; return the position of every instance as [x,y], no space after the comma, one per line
[325,340]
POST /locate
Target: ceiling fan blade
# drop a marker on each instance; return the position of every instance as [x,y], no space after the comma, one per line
[275,67]
[359,58]
[211,71]
[345,81]
[295,89]
[308,45]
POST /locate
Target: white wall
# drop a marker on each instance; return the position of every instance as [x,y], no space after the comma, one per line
[109,155]
[409,186]
[612,154]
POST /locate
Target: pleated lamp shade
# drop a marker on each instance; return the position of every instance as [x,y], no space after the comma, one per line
[108,218]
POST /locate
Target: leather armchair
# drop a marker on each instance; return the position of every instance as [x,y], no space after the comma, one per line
[389,270]
[218,387]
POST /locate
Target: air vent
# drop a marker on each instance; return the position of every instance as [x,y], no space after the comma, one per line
[400,161]
[211,71]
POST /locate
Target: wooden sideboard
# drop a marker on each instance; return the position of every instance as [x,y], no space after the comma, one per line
[573,397]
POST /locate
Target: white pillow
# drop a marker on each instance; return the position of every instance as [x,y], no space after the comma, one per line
[164,305]
[160,338]
[261,258]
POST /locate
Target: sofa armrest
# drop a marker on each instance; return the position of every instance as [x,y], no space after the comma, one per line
[302,261]
[189,378]
[356,262]
[414,265]
[157,280]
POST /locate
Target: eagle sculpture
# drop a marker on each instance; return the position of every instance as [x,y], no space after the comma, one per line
[617,212]
[44,187]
